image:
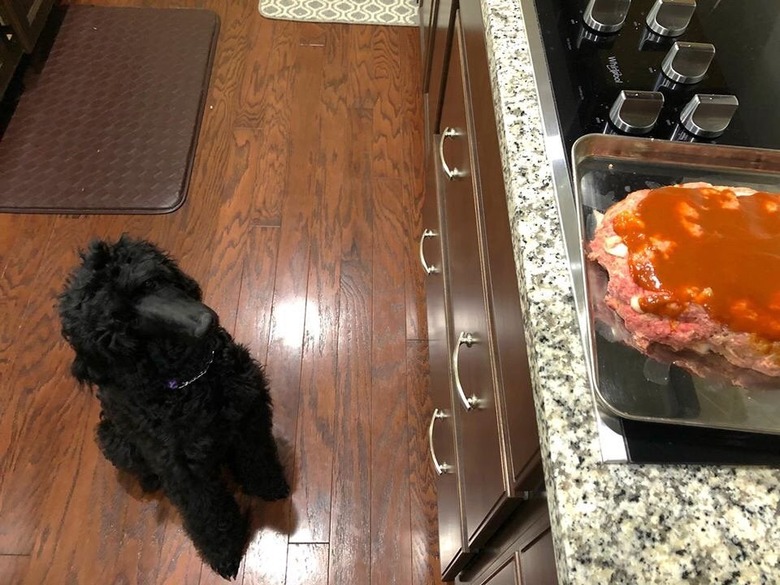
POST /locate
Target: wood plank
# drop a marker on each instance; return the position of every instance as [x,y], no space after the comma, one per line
[257,172]
[390,522]
[104,536]
[234,45]
[21,238]
[13,568]
[314,444]
[265,562]
[268,74]
[362,90]
[178,562]
[387,151]
[390,539]
[350,531]
[253,326]
[413,181]
[43,401]
[307,564]
[423,511]
[268,550]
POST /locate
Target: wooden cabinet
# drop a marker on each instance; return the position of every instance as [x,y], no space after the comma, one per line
[436,18]
[426,12]
[505,575]
[21,23]
[441,430]
[521,553]
[10,53]
[484,425]
[26,19]
[537,560]
[484,489]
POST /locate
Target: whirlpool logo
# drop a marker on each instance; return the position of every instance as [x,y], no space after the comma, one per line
[614,69]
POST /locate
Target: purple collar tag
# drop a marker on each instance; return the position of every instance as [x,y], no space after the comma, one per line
[174,384]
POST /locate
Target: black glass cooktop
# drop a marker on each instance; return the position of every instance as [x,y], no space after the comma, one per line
[588,70]
[662,443]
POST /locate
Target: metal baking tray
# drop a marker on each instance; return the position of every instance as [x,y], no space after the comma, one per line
[627,382]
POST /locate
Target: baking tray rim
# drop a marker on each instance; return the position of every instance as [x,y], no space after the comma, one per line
[640,150]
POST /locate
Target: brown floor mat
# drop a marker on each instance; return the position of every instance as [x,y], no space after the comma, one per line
[112,122]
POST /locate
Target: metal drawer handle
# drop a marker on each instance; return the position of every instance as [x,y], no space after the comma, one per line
[467,338]
[440,468]
[450,173]
[429,269]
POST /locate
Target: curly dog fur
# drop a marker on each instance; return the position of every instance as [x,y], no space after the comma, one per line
[180,400]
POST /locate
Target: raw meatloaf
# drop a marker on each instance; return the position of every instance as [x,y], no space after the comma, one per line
[682,326]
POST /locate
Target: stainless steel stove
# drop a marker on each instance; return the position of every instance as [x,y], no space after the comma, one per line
[699,71]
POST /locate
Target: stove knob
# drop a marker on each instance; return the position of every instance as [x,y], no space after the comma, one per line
[707,115]
[636,112]
[670,18]
[606,16]
[688,62]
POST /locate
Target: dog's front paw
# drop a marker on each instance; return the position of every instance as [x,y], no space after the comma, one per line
[225,553]
[227,568]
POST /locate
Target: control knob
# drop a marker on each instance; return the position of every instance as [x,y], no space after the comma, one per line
[606,16]
[670,18]
[636,112]
[688,62]
[708,115]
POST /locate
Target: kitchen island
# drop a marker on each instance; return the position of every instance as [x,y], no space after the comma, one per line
[611,523]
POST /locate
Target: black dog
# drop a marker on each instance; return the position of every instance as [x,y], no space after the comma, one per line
[180,399]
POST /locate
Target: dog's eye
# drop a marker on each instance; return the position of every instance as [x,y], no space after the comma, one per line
[150,286]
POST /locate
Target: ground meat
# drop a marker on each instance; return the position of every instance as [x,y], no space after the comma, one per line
[693,329]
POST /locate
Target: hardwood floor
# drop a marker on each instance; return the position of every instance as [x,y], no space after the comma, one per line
[301,224]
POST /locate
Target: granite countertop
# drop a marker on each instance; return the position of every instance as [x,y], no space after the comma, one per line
[611,523]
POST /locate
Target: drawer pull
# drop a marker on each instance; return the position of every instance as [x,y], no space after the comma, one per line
[449,173]
[441,468]
[467,338]
[429,269]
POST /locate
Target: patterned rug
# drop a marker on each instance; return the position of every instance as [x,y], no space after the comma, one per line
[391,12]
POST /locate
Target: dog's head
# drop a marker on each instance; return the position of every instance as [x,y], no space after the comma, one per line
[124,299]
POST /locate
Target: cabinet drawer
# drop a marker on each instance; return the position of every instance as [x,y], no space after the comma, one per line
[441,432]
[513,372]
[506,575]
[470,345]
[441,435]
[524,543]
[537,561]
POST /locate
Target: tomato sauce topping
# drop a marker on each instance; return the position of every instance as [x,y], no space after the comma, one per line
[710,247]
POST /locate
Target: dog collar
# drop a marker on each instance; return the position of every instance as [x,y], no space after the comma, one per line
[174,384]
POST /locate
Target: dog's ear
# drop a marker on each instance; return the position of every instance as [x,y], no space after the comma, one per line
[97,255]
[190,286]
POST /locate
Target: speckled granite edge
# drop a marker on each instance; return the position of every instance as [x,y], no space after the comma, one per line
[611,523]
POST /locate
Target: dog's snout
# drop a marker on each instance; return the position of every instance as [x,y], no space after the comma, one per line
[175,313]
